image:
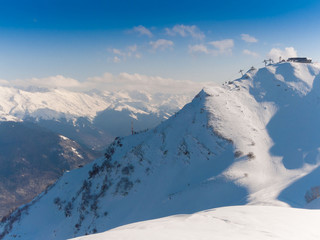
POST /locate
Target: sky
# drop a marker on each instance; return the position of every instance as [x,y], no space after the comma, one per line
[201,41]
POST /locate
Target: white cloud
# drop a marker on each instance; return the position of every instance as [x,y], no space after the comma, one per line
[185,30]
[133,48]
[116,59]
[117,52]
[48,82]
[110,82]
[224,46]
[142,30]
[288,52]
[248,38]
[161,44]
[4,82]
[122,55]
[104,79]
[250,53]
[152,84]
[198,48]
[132,51]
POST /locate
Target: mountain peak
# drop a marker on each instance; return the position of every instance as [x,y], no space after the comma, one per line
[254,140]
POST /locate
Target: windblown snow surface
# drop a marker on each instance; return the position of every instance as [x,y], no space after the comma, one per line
[253,141]
[226,223]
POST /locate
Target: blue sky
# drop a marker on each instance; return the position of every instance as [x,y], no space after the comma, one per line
[183,40]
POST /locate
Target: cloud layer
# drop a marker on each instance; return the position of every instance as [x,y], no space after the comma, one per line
[223,46]
[142,30]
[161,44]
[48,82]
[152,84]
[198,48]
[250,53]
[110,82]
[185,30]
[191,33]
[247,38]
[122,55]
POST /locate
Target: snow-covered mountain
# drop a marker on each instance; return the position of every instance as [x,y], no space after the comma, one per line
[105,114]
[41,103]
[251,141]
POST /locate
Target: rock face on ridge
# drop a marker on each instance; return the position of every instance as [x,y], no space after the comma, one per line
[251,141]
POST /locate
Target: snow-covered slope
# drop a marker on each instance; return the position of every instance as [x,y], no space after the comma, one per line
[226,223]
[251,141]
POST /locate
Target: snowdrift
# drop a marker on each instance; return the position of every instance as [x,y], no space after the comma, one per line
[227,223]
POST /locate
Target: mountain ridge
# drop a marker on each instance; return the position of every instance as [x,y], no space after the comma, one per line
[227,147]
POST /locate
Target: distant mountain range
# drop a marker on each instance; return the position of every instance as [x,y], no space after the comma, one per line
[93,118]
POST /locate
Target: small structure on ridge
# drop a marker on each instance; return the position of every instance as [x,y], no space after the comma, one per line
[300,60]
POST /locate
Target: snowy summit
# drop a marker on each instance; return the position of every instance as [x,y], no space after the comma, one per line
[252,141]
